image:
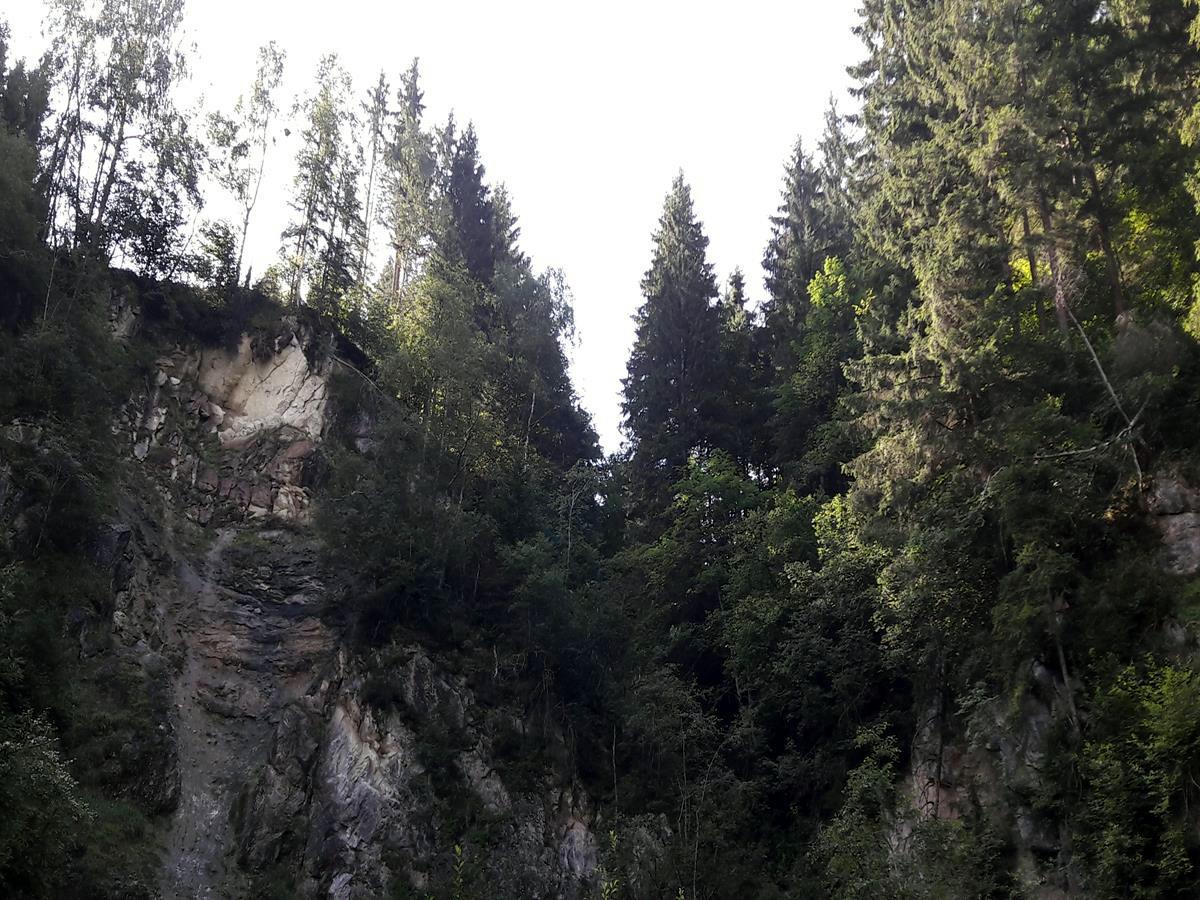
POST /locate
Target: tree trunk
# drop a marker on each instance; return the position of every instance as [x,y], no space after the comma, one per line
[1061,307]
[101,165]
[528,426]
[253,200]
[302,241]
[366,247]
[64,132]
[101,209]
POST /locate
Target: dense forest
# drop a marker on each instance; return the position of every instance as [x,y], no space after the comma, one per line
[892,591]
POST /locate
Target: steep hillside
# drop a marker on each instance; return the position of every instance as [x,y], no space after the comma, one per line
[275,757]
[320,585]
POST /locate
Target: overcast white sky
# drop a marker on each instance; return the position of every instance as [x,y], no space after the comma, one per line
[585,111]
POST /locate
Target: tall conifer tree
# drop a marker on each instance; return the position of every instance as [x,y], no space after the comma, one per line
[408,182]
[669,401]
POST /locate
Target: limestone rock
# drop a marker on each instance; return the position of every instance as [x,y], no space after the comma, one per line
[255,395]
[274,756]
[1174,507]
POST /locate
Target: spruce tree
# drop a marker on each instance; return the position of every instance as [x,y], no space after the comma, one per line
[408,209]
[806,351]
[837,151]
[800,241]
[669,403]
[469,232]
[741,407]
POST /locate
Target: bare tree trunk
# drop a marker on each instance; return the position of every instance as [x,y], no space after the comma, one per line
[253,200]
[101,209]
[1061,306]
[242,241]
[64,133]
[528,426]
[570,518]
[366,245]
[101,166]
[77,209]
[302,244]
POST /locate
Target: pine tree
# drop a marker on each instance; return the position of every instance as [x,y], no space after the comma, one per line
[806,350]
[837,157]
[797,249]
[669,402]
[24,95]
[812,224]
[506,230]
[974,417]
[22,112]
[375,115]
[1067,101]
[408,207]
[741,409]
[469,232]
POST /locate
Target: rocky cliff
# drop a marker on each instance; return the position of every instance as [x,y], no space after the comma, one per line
[284,769]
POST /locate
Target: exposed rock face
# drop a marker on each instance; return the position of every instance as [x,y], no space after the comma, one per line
[254,646]
[376,815]
[267,409]
[285,771]
[262,389]
[998,769]
[1174,506]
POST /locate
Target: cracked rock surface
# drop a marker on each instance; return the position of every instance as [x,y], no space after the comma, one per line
[284,767]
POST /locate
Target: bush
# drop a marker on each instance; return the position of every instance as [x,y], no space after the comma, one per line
[43,809]
[1141,767]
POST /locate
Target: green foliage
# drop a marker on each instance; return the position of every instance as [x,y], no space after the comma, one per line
[217,263]
[804,234]
[44,809]
[810,442]
[608,885]
[854,847]
[132,188]
[119,855]
[21,214]
[322,240]
[674,364]
[870,848]
[983,469]
[1140,763]
[75,733]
